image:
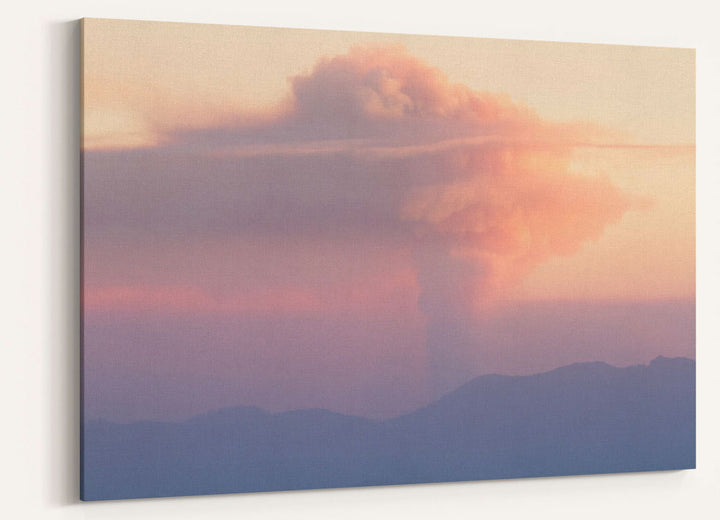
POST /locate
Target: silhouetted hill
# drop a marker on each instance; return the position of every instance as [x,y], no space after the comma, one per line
[578,419]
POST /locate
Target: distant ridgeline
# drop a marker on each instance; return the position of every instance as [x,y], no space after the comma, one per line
[579,419]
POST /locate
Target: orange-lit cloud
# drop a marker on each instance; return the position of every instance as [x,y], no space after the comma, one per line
[504,198]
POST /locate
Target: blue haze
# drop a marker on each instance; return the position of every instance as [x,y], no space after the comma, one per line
[579,419]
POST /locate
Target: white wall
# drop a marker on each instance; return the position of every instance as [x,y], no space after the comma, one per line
[38,264]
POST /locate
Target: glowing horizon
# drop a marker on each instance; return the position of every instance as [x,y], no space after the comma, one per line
[378,210]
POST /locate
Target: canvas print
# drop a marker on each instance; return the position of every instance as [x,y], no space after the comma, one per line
[319,259]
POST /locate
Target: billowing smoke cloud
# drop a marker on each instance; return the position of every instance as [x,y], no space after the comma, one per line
[385,92]
[502,198]
[477,188]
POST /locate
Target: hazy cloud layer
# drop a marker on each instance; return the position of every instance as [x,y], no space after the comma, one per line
[372,152]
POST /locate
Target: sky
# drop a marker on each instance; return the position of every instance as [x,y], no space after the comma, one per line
[362,222]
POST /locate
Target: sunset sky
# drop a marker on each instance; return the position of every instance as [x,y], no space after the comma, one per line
[361,222]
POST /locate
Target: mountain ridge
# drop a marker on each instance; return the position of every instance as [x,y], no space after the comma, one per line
[579,419]
[658,360]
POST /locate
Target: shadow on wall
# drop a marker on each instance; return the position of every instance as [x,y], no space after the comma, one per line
[62,359]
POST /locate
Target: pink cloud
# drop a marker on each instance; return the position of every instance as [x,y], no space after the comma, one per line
[503,198]
[392,292]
